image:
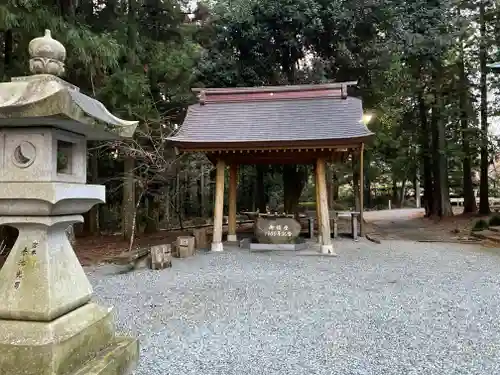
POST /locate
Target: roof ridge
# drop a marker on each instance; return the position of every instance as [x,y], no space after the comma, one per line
[272,96]
[265,89]
[230,101]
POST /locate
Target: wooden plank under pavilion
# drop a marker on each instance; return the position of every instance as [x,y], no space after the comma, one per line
[303,124]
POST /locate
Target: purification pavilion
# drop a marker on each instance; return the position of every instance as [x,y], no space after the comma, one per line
[304,124]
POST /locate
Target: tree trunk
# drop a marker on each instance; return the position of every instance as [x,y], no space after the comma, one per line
[416,185]
[153,214]
[93,217]
[441,197]
[131,33]
[129,200]
[425,152]
[355,183]
[436,197]
[402,193]
[336,186]
[293,184]
[68,9]
[394,195]
[468,188]
[260,188]
[128,205]
[168,205]
[484,205]
[8,54]
[178,207]
[186,196]
[444,192]
[368,191]
[330,185]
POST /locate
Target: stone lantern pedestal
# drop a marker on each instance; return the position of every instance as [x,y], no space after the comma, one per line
[48,324]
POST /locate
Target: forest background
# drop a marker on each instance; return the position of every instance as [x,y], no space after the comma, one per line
[422,72]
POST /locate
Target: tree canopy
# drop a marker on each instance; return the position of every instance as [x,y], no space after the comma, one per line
[421,68]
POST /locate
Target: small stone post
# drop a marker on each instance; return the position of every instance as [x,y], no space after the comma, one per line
[200,238]
[48,323]
[161,256]
[354,225]
[185,246]
[311,227]
[335,220]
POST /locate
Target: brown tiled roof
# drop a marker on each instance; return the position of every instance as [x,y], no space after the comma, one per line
[273,114]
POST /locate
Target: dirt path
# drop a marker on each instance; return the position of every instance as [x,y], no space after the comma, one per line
[94,250]
[410,224]
[397,224]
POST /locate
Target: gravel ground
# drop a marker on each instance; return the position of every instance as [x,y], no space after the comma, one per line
[395,308]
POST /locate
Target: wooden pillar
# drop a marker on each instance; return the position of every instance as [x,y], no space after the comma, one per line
[318,205]
[218,206]
[233,183]
[361,191]
[326,241]
[417,190]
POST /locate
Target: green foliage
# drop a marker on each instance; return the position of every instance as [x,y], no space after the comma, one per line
[494,221]
[141,58]
[480,225]
[337,206]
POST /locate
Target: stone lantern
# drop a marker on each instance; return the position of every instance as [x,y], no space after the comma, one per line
[48,323]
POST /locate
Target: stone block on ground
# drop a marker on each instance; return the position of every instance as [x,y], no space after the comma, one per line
[161,256]
[185,246]
[201,238]
[280,230]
